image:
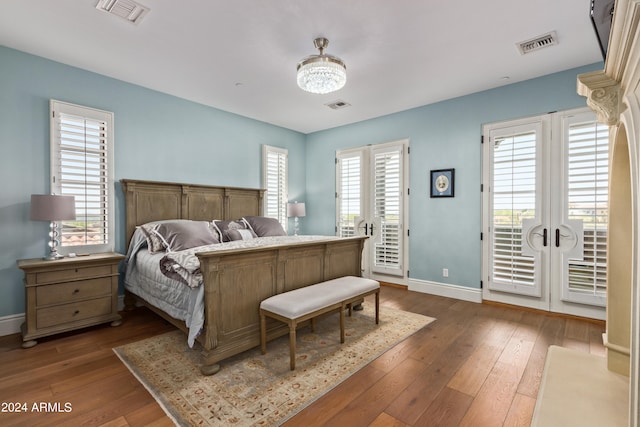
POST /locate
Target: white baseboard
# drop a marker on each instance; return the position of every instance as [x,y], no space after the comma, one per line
[446,290]
[11,324]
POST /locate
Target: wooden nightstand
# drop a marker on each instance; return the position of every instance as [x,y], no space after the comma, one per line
[69,293]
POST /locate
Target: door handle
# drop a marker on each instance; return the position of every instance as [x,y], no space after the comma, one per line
[557,237]
[544,237]
[371,229]
[365,229]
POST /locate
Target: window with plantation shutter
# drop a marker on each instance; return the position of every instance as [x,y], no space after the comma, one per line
[545,208]
[371,183]
[275,181]
[82,166]
[388,201]
[349,194]
[513,191]
[587,195]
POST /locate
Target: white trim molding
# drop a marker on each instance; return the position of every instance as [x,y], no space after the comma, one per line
[11,324]
[463,293]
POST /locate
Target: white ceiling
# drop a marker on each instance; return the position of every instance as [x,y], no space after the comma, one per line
[240,56]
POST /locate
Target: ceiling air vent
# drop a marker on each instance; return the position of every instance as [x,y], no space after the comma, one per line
[336,105]
[125,9]
[540,42]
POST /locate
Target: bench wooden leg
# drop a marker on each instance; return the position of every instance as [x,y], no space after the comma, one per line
[342,324]
[292,345]
[263,333]
[378,307]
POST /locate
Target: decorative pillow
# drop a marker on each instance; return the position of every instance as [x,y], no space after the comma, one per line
[222,227]
[239,234]
[264,226]
[155,242]
[186,234]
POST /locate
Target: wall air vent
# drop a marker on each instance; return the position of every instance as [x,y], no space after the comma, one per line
[336,105]
[540,42]
[125,9]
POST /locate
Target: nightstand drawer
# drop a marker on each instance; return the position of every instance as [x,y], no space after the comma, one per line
[58,315]
[73,291]
[73,274]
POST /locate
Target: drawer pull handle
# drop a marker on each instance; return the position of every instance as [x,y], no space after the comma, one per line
[76,312]
[76,291]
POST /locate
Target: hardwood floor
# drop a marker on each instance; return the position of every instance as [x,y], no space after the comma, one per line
[476,365]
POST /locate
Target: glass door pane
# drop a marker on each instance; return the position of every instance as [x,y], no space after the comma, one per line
[517,235]
[349,194]
[388,203]
[586,201]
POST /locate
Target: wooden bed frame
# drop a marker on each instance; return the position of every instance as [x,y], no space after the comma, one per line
[237,280]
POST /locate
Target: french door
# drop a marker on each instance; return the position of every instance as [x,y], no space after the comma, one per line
[371,189]
[545,210]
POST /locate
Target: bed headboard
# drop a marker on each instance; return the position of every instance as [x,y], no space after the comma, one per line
[147,201]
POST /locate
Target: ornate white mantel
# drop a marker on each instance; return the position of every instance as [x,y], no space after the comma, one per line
[603,95]
[614,94]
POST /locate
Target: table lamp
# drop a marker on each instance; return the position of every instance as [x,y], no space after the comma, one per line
[295,210]
[53,208]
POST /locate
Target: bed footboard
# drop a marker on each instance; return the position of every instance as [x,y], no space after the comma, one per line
[236,281]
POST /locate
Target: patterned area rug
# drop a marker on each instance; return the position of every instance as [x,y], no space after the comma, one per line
[255,389]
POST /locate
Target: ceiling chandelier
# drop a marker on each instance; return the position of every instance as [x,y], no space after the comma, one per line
[321,73]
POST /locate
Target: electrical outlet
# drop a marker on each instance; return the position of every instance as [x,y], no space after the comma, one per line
[445,272]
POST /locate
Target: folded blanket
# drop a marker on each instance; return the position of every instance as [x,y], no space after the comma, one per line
[183,266]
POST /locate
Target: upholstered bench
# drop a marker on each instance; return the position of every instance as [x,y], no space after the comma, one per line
[311,301]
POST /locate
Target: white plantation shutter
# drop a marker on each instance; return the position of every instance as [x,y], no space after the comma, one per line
[388,192]
[275,164]
[371,183]
[513,200]
[587,198]
[545,207]
[349,194]
[81,166]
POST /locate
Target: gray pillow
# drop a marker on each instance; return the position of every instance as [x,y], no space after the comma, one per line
[264,226]
[221,228]
[186,235]
[239,234]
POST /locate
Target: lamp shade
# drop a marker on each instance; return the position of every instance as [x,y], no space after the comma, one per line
[51,207]
[295,210]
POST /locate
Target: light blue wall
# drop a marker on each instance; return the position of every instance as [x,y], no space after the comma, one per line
[157,137]
[160,137]
[445,233]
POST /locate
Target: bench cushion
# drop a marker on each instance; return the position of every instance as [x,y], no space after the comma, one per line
[302,301]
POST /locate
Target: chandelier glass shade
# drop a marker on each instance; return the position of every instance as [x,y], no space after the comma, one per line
[321,73]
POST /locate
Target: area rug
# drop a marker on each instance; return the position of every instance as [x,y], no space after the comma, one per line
[252,389]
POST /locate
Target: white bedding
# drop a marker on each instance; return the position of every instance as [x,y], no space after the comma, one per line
[143,278]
